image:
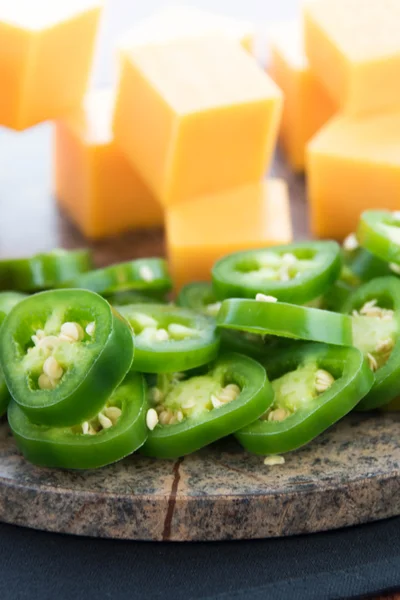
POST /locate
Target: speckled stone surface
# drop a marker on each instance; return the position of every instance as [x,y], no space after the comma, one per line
[350,475]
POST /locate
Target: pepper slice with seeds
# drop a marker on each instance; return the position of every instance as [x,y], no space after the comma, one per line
[314,386]
[63,352]
[170,338]
[43,271]
[375,309]
[379,233]
[293,273]
[285,320]
[145,275]
[190,411]
[117,430]
[199,296]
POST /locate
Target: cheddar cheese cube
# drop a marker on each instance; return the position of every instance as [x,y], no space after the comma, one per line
[94,183]
[354,49]
[195,116]
[202,231]
[46,49]
[307,105]
[185,22]
[353,165]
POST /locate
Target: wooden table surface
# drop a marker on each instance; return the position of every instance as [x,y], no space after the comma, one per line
[30,221]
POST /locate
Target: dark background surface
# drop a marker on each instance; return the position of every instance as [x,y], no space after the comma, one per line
[338,564]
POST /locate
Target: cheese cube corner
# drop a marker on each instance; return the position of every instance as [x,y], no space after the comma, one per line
[46,51]
[353,165]
[196,116]
[354,49]
[203,230]
[94,183]
[307,104]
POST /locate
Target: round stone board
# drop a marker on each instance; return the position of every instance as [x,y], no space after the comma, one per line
[349,475]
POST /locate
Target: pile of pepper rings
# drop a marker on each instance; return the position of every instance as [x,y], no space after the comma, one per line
[285,341]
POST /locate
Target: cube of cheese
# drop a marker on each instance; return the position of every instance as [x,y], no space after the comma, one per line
[195,116]
[353,165]
[46,49]
[185,22]
[354,49]
[307,105]
[95,184]
[202,231]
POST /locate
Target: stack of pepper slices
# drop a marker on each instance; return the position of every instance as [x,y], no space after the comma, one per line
[284,343]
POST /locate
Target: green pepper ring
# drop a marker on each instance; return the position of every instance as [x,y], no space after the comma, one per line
[228,281]
[172,441]
[374,230]
[275,437]
[286,320]
[61,447]
[81,395]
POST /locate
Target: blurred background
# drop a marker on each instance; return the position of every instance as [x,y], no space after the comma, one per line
[119,15]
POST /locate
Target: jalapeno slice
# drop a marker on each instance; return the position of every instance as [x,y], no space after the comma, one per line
[118,430]
[130,297]
[200,297]
[9,299]
[379,233]
[375,309]
[193,411]
[62,353]
[43,271]
[292,273]
[146,275]
[285,320]
[314,386]
[168,338]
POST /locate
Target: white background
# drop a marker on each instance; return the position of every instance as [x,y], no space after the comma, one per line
[120,15]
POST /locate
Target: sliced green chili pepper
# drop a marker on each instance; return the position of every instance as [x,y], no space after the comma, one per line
[293,273]
[375,307]
[315,385]
[168,338]
[200,297]
[364,266]
[200,409]
[379,233]
[336,296]
[285,320]
[118,430]
[43,271]
[146,275]
[63,352]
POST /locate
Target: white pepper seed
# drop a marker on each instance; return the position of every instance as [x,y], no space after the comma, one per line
[45,383]
[274,459]
[90,328]
[104,421]
[71,331]
[146,273]
[161,335]
[151,418]
[264,298]
[52,368]
[351,243]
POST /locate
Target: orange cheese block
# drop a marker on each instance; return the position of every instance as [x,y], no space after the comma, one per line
[94,182]
[353,165]
[354,49]
[46,49]
[185,22]
[195,116]
[307,105]
[202,231]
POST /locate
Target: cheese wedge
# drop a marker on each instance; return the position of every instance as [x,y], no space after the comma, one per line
[307,105]
[353,165]
[354,49]
[195,116]
[94,183]
[46,50]
[202,231]
[185,22]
